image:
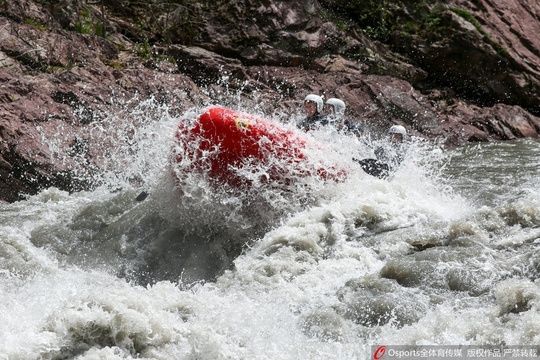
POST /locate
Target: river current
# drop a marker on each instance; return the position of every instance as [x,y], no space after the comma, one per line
[445,252]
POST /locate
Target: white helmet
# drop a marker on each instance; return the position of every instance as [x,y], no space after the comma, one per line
[338,105]
[398,129]
[317,100]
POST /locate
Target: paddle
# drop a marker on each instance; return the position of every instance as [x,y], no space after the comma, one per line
[374,167]
[143,195]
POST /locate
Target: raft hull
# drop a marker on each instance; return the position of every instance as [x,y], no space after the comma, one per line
[242,149]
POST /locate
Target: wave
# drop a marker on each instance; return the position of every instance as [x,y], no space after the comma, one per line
[325,271]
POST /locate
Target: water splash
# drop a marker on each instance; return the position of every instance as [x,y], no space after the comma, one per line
[324,270]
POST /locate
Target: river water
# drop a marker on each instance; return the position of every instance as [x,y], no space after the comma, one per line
[445,252]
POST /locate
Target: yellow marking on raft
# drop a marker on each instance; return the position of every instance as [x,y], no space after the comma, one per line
[241,123]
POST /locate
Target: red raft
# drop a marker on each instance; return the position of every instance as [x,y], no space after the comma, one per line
[241,149]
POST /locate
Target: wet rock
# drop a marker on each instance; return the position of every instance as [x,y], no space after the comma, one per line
[510,27]
[447,268]
[206,67]
[374,301]
[324,324]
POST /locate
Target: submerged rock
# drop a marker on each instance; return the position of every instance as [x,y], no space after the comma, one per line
[373,301]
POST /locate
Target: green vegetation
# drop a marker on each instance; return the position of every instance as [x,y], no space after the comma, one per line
[56,69]
[143,50]
[89,21]
[36,24]
[470,18]
[115,64]
[83,28]
[342,25]
[378,18]
[424,20]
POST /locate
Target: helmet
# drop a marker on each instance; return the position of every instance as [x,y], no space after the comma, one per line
[317,100]
[339,106]
[398,129]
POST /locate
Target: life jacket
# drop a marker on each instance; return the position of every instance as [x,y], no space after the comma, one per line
[313,122]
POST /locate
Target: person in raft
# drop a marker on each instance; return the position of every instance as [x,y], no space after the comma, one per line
[388,158]
[336,111]
[313,106]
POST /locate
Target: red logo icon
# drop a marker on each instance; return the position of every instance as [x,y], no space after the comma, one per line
[379,353]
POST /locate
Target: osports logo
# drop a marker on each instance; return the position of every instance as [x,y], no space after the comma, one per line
[379,353]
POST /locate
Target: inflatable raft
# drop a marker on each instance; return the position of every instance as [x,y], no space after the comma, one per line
[242,149]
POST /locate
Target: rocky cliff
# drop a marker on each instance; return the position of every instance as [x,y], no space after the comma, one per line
[457,71]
